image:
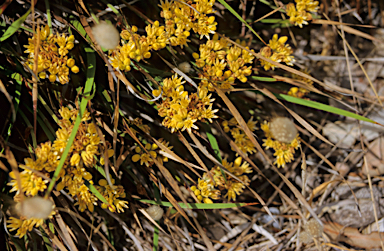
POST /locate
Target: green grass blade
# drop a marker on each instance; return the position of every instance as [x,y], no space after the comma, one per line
[49,18]
[47,241]
[323,107]
[14,26]
[264,79]
[100,169]
[89,84]
[45,125]
[93,190]
[29,125]
[18,243]
[49,110]
[79,28]
[199,205]
[215,146]
[212,140]
[156,238]
[271,5]
[240,18]
[274,21]
[17,94]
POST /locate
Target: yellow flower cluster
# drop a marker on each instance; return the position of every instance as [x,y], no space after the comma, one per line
[138,47]
[222,63]
[82,156]
[300,92]
[277,51]
[180,17]
[181,110]
[241,139]
[207,189]
[52,61]
[299,14]
[153,150]
[112,195]
[283,150]
[24,225]
[76,170]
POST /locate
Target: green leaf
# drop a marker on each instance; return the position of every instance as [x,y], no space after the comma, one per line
[93,190]
[156,238]
[215,146]
[29,125]
[273,21]
[323,107]
[79,27]
[14,26]
[17,94]
[212,140]
[265,79]
[47,241]
[89,84]
[100,169]
[18,243]
[199,205]
[45,125]
[240,18]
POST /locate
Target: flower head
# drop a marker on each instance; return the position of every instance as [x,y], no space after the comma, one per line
[283,138]
[241,139]
[181,109]
[180,19]
[153,152]
[277,51]
[299,14]
[208,189]
[52,60]
[222,63]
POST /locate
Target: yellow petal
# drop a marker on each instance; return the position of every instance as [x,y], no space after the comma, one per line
[136,157]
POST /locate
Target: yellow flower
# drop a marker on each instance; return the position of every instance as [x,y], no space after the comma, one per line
[181,109]
[31,184]
[222,64]
[206,189]
[24,225]
[112,196]
[283,150]
[241,139]
[234,188]
[52,59]
[179,20]
[75,159]
[86,199]
[153,150]
[298,15]
[277,51]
